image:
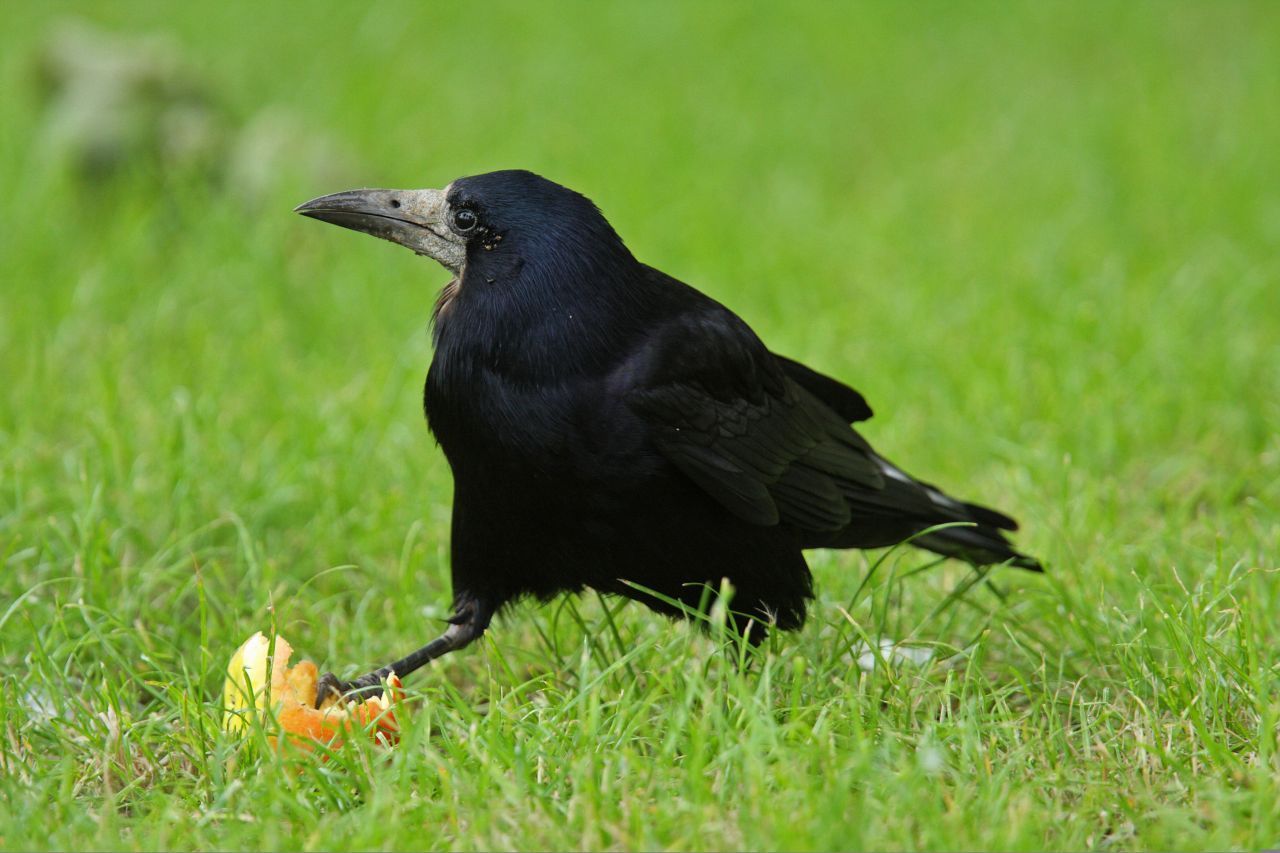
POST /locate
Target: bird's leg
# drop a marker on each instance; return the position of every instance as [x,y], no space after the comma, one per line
[467,624]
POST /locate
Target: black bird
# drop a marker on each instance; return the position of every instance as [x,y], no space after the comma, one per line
[608,423]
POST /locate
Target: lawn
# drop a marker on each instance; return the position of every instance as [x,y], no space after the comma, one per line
[1043,239]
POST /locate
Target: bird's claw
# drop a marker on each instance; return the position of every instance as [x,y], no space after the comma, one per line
[328,684]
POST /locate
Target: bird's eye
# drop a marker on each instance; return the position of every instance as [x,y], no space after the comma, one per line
[465,220]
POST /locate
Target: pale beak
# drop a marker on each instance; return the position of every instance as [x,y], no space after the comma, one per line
[416,219]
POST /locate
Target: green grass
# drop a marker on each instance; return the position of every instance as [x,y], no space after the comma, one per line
[1041,238]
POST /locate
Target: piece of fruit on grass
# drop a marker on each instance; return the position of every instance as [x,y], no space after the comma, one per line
[291,692]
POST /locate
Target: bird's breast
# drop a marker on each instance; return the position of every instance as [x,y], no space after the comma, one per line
[563,435]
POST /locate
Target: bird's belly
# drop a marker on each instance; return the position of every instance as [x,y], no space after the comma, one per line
[553,493]
[544,535]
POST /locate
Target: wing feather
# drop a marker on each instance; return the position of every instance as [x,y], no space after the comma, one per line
[731,418]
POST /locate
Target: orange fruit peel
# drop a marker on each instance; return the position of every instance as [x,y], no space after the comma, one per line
[289,692]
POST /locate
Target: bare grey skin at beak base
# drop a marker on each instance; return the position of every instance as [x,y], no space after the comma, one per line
[415,219]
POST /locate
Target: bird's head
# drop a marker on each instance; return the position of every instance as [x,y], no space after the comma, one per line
[496,226]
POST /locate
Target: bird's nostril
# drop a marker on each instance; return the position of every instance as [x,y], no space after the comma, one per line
[395,202]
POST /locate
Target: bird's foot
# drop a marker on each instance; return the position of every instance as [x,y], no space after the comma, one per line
[471,617]
[329,685]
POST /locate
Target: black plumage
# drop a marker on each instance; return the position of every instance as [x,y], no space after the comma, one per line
[607,423]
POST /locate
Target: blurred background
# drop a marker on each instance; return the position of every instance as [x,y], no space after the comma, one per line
[1042,238]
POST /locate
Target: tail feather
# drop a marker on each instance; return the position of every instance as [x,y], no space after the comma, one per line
[990,517]
[982,542]
[981,545]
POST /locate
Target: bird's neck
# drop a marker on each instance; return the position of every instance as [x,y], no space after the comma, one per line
[540,328]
